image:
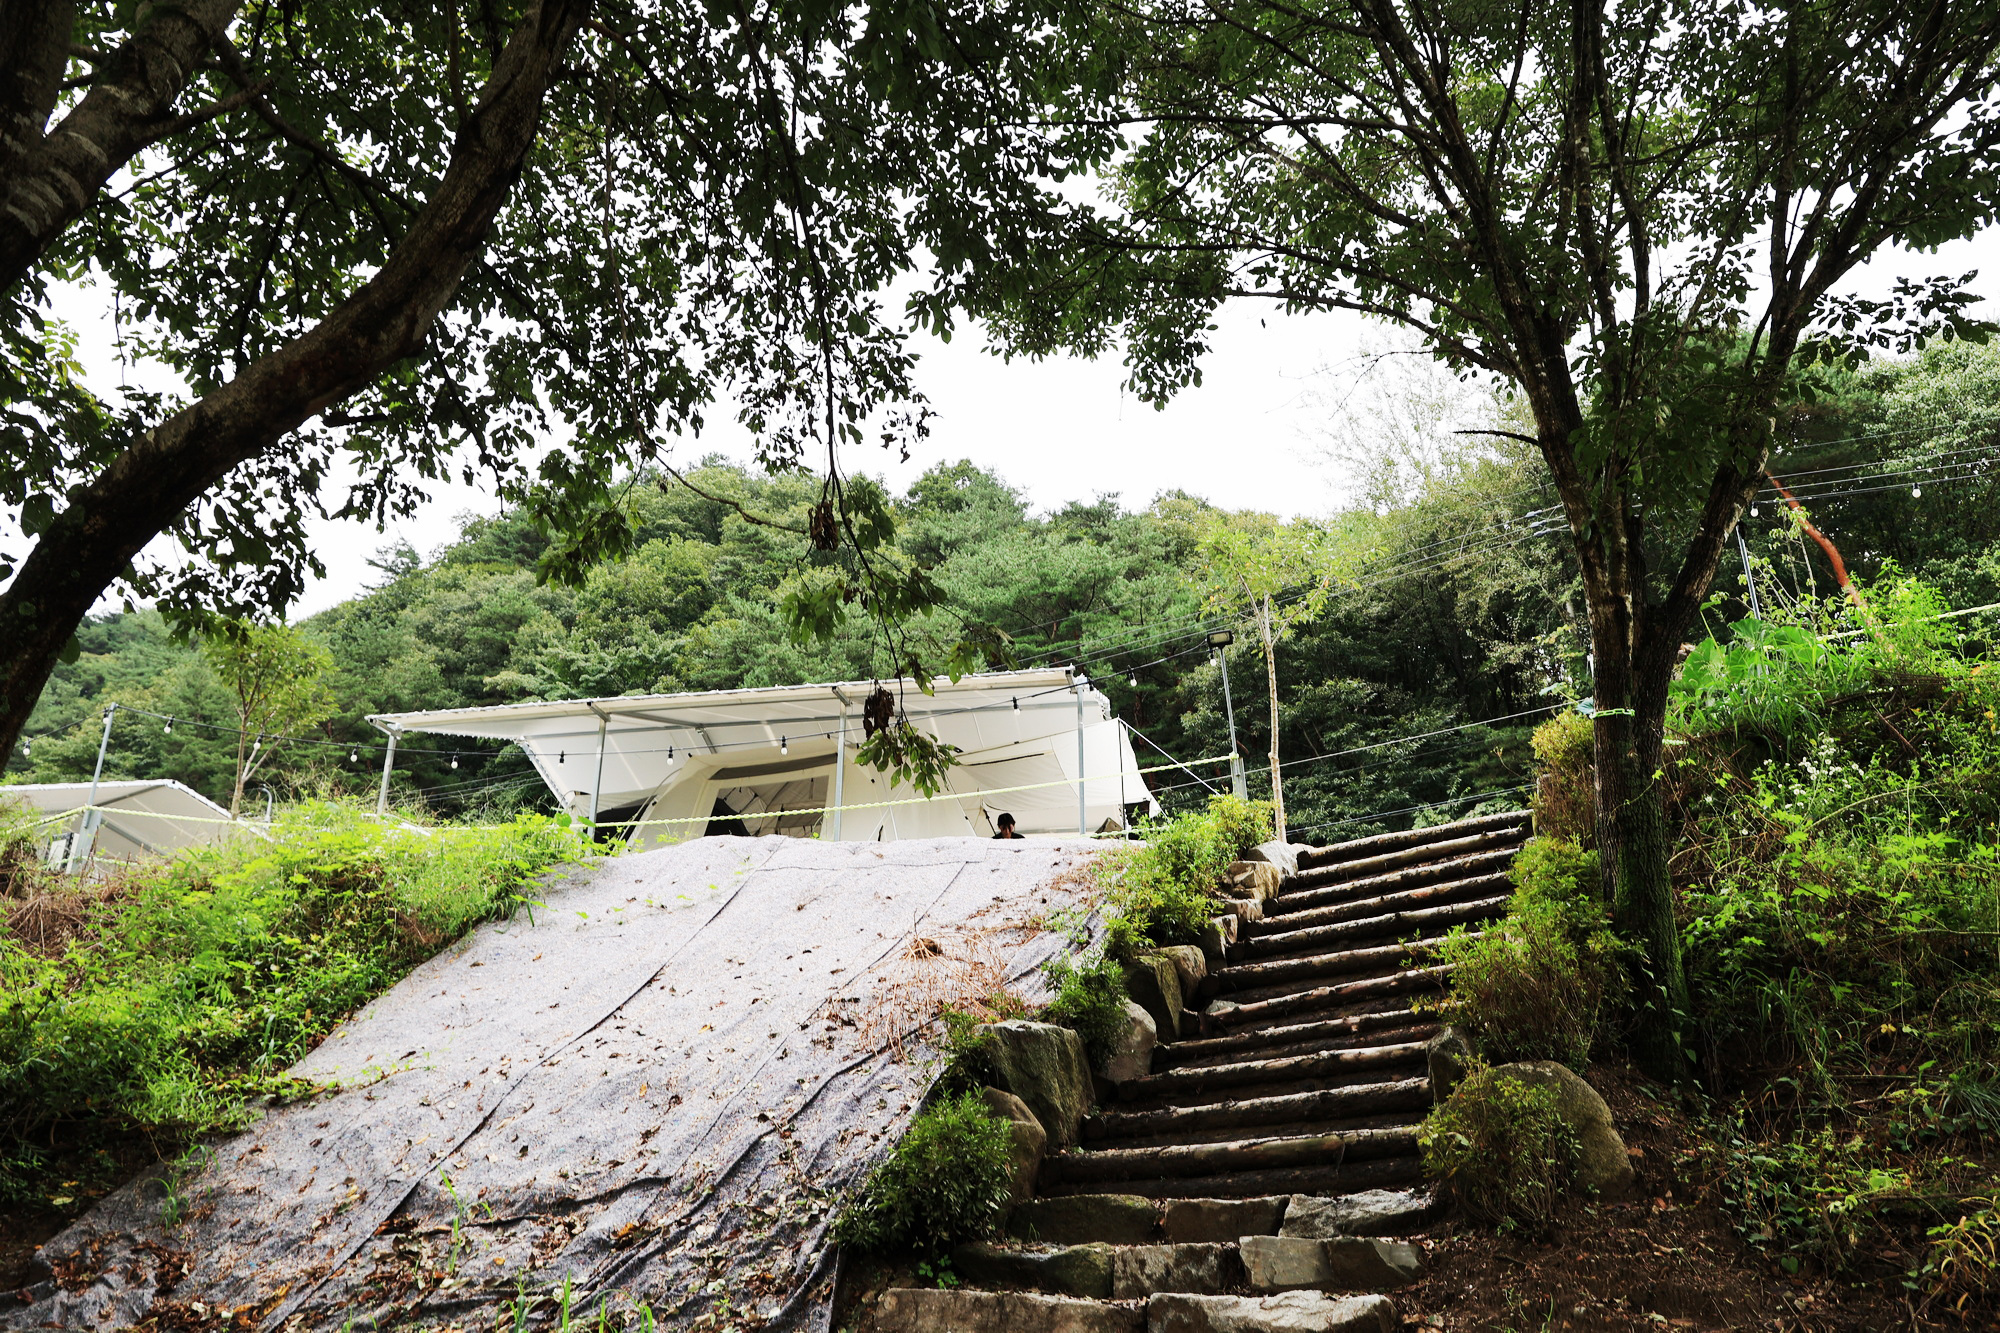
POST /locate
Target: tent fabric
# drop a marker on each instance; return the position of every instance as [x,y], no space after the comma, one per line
[147,818]
[673,756]
[658,1091]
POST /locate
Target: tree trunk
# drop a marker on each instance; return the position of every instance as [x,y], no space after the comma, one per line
[1271,679]
[148,486]
[236,796]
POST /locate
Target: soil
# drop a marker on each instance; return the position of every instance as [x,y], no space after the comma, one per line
[1663,1259]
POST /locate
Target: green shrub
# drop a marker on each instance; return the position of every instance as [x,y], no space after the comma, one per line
[1556,873]
[1164,890]
[1088,996]
[1501,1151]
[1533,987]
[946,1181]
[1566,784]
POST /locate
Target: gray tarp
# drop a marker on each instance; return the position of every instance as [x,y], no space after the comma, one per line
[658,1090]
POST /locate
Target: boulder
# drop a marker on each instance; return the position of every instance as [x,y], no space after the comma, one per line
[1603,1165]
[1067,1270]
[1044,1065]
[1246,910]
[1450,1055]
[1221,1219]
[1132,1052]
[1156,984]
[1284,855]
[1256,880]
[1189,963]
[1216,937]
[1120,1219]
[921,1310]
[1137,1271]
[1030,1138]
[1293,1312]
[1369,1213]
[1346,1263]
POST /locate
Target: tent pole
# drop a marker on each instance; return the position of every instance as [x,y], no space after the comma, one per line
[87,835]
[597,783]
[1123,831]
[388,762]
[1082,819]
[839,762]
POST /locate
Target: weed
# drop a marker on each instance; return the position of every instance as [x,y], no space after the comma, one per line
[1087,995]
[945,1181]
[1536,986]
[1501,1150]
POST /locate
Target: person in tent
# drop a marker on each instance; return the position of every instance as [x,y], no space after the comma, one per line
[1006,826]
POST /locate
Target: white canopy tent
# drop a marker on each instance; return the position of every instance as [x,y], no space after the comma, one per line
[155,817]
[781,760]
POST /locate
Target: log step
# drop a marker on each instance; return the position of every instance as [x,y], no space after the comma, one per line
[1433,883]
[1426,921]
[1360,848]
[1349,1177]
[1345,871]
[1320,1064]
[1250,1154]
[1250,976]
[1327,1030]
[1404,981]
[1410,1094]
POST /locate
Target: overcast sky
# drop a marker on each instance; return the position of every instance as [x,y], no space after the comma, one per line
[1063,430]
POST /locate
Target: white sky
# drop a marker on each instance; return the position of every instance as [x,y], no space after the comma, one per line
[1063,430]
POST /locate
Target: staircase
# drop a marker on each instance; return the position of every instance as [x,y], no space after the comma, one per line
[1268,1156]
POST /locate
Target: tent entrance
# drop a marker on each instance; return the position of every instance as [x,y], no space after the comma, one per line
[786,808]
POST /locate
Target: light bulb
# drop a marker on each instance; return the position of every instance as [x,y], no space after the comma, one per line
[1017,705]
[454,761]
[354,756]
[784,745]
[1916,492]
[1753,511]
[562,756]
[169,728]
[1133,680]
[670,754]
[27,748]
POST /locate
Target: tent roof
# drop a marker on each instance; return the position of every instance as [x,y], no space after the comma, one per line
[153,815]
[750,717]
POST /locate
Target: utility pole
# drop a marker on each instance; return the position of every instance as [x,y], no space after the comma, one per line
[1271,671]
[1239,786]
[85,842]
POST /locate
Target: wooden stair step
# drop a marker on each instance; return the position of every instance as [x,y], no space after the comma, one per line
[1345,871]
[1428,921]
[1360,848]
[1207,1078]
[1334,1178]
[1481,874]
[1172,1055]
[1319,1104]
[1400,981]
[1247,1154]
[1342,962]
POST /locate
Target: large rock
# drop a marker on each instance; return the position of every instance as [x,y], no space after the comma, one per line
[1449,1055]
[1156,984]
[1044,1065]
[1216,937]
[1246,910]
[1069,1270]
[1369,1213]
[1025,1155]
[1190,964]
[1132,1052]
[1256,880]
[1284,855]
[920,1310]
[1347,1263]
[1121,1219]
[1221,1219]
[1138,1271]
[1293,1312]
[1603,1165]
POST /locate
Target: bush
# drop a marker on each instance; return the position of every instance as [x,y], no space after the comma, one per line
[1088,997]
[1533,987]
[1552,872]
[1566,787]
[1163,891]
[947,1180]
[1501,1151]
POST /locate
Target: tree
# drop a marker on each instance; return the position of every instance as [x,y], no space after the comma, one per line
[1281,573]
[410,238]
[279,679]
[1636,216]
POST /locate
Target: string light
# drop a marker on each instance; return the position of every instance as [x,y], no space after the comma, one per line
[169,728]
[784,745]
[1017,705]
[562,756]
[1753,511]
[354,756]
[28,748]
[454,761]
[1916,492]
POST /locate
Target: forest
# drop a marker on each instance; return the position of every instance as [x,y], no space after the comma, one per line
[1450,625]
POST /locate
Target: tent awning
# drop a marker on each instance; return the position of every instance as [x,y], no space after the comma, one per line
[135,818]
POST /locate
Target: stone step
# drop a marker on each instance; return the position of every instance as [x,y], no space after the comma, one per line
[1467,876]
[1236,977]
[1248,1012]
[1347,1177]
[1314,858]
[1243,1156]
[1320,1104]
[1288,1312]
[1196,1080]
[1428,922]
[1345,871]
[1327,1031]
[928,1310]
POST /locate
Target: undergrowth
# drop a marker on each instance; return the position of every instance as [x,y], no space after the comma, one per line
[1501,1151]
[1165,890]
[172,1005]
[947,1180]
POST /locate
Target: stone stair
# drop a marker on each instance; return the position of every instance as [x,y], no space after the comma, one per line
[1266,1161]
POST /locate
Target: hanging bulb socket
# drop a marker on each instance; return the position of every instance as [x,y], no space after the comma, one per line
[168,730]
[454,761]
[1017,705]
[1753,511]
[1916,492]
[784,745]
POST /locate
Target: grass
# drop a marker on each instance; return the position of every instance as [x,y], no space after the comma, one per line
[164,1003]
